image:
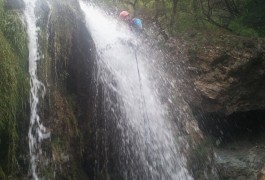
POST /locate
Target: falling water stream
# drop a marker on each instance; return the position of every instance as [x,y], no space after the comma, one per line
[146,138]
[37,131]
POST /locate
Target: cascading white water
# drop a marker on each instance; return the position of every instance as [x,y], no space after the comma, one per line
[147,136]
[37,131]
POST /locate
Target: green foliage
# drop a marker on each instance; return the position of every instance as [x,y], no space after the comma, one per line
[48,173]
[240,29]
[13,85]
[2,174]
[242,17]
[14,32]
[8,91]
[251,21]
[57,142]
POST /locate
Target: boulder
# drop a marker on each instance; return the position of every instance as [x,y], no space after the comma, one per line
[229,79]
[225,76]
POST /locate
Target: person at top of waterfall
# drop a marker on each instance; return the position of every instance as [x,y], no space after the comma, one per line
[136,25]
[125,16]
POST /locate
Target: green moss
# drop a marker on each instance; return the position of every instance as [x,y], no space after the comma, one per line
[243,30]
[2,174]
[13,85]
[57,143]
[53,72]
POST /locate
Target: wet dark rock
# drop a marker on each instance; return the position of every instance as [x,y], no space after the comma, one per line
[231,79]
[224,86]
[244,162]
[66,69]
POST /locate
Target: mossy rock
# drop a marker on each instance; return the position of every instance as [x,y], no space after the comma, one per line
[14,86]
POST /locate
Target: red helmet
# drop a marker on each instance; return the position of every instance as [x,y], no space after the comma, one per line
[124,15]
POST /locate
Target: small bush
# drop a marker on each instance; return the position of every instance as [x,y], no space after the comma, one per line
[240,29]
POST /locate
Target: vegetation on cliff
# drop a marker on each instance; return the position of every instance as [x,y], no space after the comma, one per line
[65,69]
[13,87]
[242,17]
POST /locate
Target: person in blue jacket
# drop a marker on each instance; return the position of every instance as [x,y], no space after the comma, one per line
[136,25]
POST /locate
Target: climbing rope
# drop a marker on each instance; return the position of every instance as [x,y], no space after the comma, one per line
[141,86]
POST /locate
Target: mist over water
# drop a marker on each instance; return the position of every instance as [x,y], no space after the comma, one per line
[146,139]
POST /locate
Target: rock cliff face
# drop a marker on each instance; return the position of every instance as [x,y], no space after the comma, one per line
[66,69]
[224,76]
[224,86]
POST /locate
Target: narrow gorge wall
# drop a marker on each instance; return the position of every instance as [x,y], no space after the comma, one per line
[224,85]
[66,67]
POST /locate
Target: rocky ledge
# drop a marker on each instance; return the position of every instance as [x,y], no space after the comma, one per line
[224,85]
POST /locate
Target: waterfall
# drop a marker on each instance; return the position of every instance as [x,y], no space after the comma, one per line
[37,131]
[143,135]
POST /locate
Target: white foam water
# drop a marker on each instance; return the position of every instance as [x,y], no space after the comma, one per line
[37,131]
[148,138]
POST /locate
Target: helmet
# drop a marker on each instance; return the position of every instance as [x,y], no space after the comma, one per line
[137,23]
[124,15]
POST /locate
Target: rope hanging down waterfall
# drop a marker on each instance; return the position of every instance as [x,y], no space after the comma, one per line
[141,86]
[145,115]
